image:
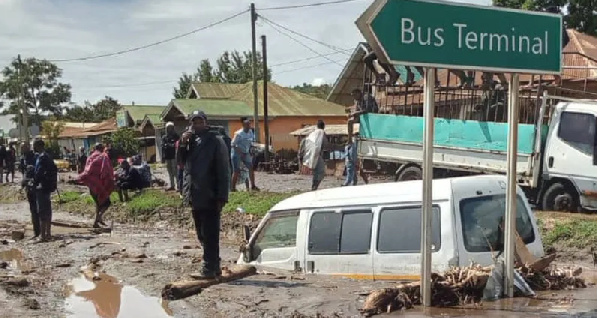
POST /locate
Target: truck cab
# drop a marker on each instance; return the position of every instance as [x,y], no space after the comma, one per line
[570,158]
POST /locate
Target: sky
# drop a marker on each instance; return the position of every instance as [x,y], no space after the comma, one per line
[67,29]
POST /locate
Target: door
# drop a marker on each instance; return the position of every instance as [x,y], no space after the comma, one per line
[571,149]
[339,243]
[397,254]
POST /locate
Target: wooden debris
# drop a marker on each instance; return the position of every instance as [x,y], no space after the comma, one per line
[63,265]
[183,289]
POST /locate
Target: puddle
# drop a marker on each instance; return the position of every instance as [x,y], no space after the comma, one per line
[14,258]
[559,304]
[108,298]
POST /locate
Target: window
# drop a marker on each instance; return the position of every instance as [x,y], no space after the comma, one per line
[279,231]
[578,131]
[348,232]
[480,222]
[400,230]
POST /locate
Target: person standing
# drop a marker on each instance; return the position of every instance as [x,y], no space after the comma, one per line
[27,167]
[206,185]
[98,176]
[351,156]
[363,104]
[240,154]
[311,151]
[2,159]
[45,182]
[168,153]
[81,160]
[11,161]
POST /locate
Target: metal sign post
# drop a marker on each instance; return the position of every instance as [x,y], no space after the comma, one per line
[510,216]
[427,207]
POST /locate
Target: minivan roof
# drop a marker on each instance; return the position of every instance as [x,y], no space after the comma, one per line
[373,194]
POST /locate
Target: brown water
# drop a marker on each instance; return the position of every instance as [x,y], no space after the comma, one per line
[106,297]
[576,303]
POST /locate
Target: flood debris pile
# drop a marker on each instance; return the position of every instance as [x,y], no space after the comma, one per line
[466,285]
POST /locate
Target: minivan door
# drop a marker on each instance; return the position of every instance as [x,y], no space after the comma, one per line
[339,242]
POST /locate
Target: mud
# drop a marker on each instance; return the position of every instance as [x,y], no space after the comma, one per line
[135,261]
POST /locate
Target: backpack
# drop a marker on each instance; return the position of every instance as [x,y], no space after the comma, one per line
[50,182]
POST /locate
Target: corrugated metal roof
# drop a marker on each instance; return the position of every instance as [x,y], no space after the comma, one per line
[284,101]
[215,90]
[350,78]
[137,112]
[331,130]
[214,107]
[107,126]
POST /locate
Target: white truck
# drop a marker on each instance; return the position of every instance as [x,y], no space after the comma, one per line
[557,157]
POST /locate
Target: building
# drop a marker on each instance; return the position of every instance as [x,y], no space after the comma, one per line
[225,104]
[76,135]
[133,115]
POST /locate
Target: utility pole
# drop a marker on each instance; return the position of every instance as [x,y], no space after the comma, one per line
[265,95]
[24,131]
[253,18]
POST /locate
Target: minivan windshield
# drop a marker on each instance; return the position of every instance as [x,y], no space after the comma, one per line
[481,217]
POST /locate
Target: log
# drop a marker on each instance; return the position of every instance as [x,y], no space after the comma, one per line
[542,263]
[182,289]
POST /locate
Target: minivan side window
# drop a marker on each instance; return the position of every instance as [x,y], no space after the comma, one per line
[481,217]
[348,232]
[400,230]
[279,231]
[578,130]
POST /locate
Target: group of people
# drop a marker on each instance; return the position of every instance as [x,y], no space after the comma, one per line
[241,151]
[8,160]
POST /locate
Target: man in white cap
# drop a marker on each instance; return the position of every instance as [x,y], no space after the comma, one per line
[168,153]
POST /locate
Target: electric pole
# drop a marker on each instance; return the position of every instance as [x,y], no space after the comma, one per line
[265,95]
[253,18]
[24,131]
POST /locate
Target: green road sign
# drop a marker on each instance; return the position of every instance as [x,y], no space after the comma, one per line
[462,36]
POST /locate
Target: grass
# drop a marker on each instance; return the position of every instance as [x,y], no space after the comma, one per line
[572,233]
[150,201]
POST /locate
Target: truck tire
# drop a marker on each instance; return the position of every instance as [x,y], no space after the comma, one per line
[559,197]
[410,173]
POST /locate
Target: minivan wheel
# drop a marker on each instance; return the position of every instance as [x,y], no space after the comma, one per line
[559,198]
[410,173]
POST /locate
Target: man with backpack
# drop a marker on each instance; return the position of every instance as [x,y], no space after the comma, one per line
[45,181]
[27,167]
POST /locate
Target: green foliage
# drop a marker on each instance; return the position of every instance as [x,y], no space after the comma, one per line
[100,111]
[258,203]
[573,233]
[124,142]
[38,82]
[51,129]
[316,91]
[231,67]
[70,196]
[581,14]
[151,200]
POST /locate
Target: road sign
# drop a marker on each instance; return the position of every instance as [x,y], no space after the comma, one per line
[462,36]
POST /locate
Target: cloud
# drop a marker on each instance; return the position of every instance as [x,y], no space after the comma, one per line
[318,81]
[63,29]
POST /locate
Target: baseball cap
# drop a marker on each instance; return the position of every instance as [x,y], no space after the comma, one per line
[197,114]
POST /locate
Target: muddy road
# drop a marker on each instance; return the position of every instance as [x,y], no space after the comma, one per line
[135,262]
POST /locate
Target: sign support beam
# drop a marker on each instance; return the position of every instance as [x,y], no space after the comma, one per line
[427,208]
[511,189]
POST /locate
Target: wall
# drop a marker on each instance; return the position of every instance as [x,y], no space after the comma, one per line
[281,127]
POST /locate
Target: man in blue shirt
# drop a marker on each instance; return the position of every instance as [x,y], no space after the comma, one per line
[241,146]
[351,157]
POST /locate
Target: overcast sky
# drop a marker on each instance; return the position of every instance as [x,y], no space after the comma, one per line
[65,29]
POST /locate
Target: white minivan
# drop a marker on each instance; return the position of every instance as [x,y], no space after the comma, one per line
[374,231]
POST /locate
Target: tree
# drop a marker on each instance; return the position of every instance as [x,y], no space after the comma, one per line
[103,109]
[51,130]
[38,82]
[321,91]
[231,67]
[581,14]
[123,142]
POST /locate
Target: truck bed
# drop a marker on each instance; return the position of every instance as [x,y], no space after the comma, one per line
[466,145]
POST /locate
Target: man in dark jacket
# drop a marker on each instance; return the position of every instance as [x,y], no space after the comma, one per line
[168,153]
[42,180]
[27,167]
[206,186]
[2,158]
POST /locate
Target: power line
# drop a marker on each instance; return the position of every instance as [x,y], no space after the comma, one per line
[332,47]
[317,4]
[307,59]
[300,42]
[305,67]
[154,43]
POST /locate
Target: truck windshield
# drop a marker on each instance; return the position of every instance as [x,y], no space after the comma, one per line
[481,217]
[578,130]
[279,231]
